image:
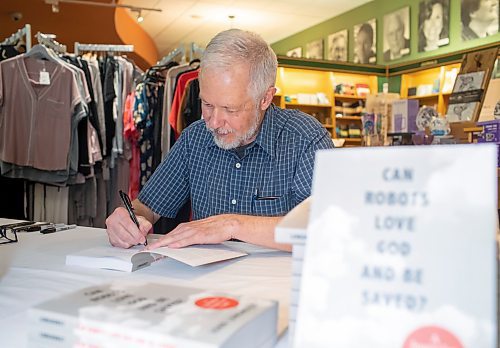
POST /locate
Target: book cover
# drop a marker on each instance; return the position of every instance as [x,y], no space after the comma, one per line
[152,315]
[129,260]
[293,227]
[400,252]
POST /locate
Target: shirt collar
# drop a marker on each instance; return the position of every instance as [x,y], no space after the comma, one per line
[265,139]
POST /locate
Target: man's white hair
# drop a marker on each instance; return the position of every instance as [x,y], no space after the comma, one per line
[235,46]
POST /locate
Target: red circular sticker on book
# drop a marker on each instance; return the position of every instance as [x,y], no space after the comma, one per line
[216,303]
[432,337]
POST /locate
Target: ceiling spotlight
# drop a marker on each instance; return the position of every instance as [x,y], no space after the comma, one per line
[140,18]
[55,8]
[231,20]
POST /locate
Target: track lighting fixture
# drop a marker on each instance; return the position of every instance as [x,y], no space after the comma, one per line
[113,3]
[140,18]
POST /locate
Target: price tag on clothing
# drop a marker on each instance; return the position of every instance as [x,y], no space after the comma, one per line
[44,78]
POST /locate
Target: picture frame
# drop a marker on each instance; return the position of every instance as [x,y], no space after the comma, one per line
[396,34]
[295,52]
[462,112]
[478,21]
[469,82]
[365,42]
[338,46]
[433,24]
[314,49]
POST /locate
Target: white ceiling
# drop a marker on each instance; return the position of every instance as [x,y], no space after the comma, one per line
[185,21]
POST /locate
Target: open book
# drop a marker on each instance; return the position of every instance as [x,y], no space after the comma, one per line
[132,259]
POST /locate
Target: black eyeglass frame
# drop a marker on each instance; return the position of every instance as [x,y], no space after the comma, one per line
[5,238]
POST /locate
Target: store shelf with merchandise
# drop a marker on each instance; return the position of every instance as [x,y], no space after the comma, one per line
[333,93]
[430,86]
[428,80]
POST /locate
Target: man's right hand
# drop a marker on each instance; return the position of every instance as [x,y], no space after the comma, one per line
[122,231]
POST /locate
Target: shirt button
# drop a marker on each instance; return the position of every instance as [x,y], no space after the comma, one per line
[233,201]
[238,165]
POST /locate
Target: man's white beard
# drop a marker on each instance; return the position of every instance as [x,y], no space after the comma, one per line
[238,141]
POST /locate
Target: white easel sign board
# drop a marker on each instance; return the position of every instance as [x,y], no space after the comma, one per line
[401,249]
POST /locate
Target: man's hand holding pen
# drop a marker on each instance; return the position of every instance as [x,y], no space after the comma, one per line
[123,232]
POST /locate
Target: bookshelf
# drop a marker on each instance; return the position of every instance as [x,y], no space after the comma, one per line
[439,81]
[294,84]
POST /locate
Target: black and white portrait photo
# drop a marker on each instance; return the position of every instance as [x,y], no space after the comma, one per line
[295,52]
[469,82]
[479,18]
[365,42]
[337,46]
[397,34]
[433,24]
[461,112]
[314,49]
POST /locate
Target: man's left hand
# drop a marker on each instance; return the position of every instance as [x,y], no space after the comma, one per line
[212,230]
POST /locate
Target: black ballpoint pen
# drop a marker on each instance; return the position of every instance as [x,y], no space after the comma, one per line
[128,206]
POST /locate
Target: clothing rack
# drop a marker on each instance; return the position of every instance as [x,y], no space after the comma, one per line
[102,48]
[14,38]
[169,57]
[195,49]
[48,40]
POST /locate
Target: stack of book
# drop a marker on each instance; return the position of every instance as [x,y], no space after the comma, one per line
[152,315]
[292,229]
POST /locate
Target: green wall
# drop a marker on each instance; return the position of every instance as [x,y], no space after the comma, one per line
[377,9]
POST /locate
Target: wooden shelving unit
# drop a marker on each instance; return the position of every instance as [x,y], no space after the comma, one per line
[348,118]
[293,81]
[348,97]
[430,76]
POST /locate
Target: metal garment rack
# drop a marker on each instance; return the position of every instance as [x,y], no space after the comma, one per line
[170,57]
[14,38]
[181,50]
[48,40]
[195,49]
[102,48]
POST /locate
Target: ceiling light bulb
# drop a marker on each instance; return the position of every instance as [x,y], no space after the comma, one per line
[140,18]
[55,8]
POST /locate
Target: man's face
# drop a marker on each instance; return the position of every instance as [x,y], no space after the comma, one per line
[228,108]
[487,11]
[363,46]
[339,52]
[395,35]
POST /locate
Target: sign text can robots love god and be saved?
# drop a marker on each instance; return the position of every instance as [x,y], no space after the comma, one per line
[401,249]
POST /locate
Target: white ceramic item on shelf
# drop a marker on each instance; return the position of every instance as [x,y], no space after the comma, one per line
[425,116]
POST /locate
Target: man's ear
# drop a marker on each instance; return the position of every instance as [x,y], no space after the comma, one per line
[268,98]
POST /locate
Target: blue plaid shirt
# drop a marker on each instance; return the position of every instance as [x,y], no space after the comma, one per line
[274,175]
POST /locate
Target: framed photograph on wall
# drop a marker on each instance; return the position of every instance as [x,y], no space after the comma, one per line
[337,46]
[479,18]
[433,24]
[295,52]
[397,34]
[365,42]
[314,49]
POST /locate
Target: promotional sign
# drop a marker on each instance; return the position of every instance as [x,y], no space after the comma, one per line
[401,249]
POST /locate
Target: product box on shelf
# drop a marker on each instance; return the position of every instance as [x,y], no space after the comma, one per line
[404,115]
[490,133]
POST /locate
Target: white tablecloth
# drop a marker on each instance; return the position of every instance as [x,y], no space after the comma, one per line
[33,270]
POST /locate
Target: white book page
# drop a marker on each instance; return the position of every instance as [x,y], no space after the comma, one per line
[197,255]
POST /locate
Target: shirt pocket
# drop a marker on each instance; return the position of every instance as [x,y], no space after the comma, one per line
[55,108]
[268,204]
